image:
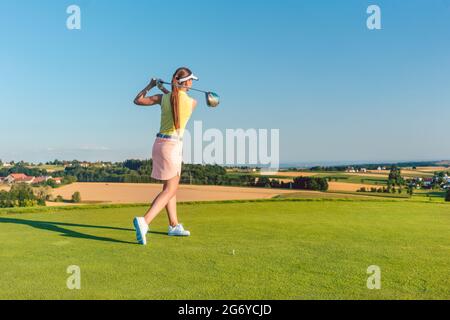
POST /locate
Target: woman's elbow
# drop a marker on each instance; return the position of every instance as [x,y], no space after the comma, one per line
[137,102]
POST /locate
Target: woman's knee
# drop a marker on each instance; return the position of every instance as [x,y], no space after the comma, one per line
[171,186]
[170,191]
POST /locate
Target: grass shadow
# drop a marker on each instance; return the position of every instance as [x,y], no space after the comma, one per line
[57,227]
[158,233]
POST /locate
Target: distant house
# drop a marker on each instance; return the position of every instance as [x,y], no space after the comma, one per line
[58,180]
[363,170]
[38,180]
[350,170]
[428,183]
[446,184]
[41,179]
[27,180]
[13,177]
[7,165]
[19,178]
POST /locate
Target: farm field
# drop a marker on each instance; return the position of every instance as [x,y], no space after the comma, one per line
[344,181]
[432,169]
[344,176]
[144,193]
[344,186]
[330,195]
[49,168]
[418,172]
[269,249]
[119,193]
[382,174]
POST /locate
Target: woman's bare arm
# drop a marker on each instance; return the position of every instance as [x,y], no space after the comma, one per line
[142,99]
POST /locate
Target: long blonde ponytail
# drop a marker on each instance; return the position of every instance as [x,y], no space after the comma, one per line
[174,96]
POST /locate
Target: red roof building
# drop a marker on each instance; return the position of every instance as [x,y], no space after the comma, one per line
[19,178]
[40,180]
[58,180]
[18,175]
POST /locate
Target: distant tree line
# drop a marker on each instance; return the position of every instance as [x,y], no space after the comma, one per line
[333,168]
[55,163]
[139,171]
[22,195]
[98,174]
[18,168]
[311,183]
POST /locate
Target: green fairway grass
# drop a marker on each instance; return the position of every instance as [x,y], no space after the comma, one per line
[317,249]
[429,195]
[303,194]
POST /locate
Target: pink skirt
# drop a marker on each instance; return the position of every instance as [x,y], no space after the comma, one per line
[167,155]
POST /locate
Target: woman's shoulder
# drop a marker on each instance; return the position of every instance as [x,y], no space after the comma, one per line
[185,95]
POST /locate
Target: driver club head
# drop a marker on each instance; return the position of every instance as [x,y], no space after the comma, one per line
[212,99]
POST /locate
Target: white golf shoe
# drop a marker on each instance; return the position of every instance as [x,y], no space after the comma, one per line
[141,230]
[178,231]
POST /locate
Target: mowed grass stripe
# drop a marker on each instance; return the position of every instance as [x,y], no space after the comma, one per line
[248,250]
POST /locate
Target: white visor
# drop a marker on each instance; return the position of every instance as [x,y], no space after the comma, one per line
[191,76]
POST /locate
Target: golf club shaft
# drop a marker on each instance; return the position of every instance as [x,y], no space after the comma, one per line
[181,86]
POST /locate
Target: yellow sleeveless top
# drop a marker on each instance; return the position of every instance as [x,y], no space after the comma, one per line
[185,107]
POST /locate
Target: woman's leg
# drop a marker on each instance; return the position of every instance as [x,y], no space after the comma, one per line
[169,191]
[172,211]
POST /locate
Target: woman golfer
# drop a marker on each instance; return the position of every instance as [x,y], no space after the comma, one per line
[176,109]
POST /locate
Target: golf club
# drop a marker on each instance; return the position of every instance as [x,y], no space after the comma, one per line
[212,98]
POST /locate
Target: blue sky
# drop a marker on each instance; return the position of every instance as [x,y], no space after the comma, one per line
[336,90]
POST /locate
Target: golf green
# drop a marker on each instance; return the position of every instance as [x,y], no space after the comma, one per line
[250,250]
